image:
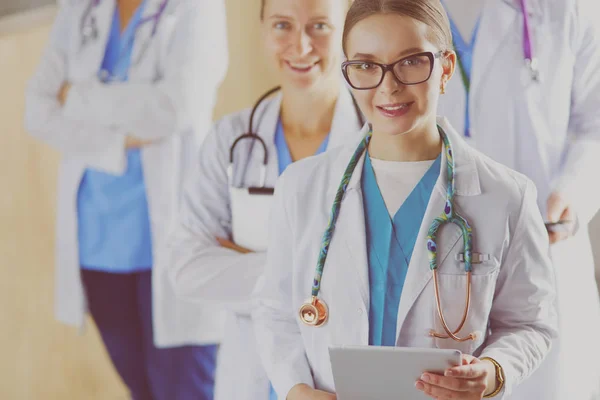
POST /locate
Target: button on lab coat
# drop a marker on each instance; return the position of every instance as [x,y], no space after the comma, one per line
[513,292]
[169,99]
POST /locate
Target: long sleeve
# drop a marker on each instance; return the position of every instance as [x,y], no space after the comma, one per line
[98,146]
[521,332]
[581,164]
[195,62]
[198,267]
[278,336]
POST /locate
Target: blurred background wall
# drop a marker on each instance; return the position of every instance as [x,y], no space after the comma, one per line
[39,358]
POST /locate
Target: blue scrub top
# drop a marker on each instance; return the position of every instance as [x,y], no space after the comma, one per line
[464,50]
[112,211]
[284,158]
[390,244]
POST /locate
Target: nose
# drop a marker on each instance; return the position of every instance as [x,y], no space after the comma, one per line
[303,43]
[390,84]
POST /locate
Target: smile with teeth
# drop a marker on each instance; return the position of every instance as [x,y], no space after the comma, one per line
[395,107]
[301,67]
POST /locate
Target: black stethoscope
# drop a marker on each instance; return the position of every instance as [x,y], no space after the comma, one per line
[251,135]
[89,25]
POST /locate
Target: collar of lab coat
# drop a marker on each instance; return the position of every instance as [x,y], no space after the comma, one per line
[345,119]
[103,14]
[466,176]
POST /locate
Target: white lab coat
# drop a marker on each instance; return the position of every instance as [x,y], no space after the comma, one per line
[550,132]
[169,96]
[513,292]
[204,273]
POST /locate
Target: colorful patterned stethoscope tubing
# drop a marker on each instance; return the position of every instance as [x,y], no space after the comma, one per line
[314,312]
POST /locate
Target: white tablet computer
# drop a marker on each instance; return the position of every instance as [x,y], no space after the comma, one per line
[385,373]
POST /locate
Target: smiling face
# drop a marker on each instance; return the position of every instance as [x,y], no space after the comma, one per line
[394,108]
[303,39]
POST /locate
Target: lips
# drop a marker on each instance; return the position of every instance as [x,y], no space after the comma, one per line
[394,110]
[301,67]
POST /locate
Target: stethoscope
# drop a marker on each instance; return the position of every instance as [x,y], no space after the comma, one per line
[315,312]
[251,135]
[530,60]
[89,29]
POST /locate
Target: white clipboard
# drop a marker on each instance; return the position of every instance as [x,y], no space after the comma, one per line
[386,373]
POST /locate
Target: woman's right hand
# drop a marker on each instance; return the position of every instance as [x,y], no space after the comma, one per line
[135,143]
[305,392]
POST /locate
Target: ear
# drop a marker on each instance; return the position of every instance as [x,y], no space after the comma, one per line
[448,61]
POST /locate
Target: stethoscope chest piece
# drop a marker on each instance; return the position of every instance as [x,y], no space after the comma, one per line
[314,312]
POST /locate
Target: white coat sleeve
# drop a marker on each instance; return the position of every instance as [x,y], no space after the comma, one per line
[98,146]
[278,337]
[579,174]
[522,329]
[199,268]
[195,64]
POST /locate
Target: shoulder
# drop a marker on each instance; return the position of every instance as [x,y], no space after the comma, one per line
[227,128]
[315,176]
[501,184]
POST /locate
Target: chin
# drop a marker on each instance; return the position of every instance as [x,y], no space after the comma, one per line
[396,128]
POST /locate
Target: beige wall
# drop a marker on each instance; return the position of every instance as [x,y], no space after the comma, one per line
[41,359]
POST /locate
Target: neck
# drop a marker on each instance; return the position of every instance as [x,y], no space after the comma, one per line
[417,145]
[309,113]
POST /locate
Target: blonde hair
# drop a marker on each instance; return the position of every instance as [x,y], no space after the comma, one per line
[430,12]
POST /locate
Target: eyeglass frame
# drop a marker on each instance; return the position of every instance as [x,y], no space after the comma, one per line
[390,67]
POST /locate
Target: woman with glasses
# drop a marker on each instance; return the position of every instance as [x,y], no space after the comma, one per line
[407,237]
[121,91]
[541,68]
[216,250]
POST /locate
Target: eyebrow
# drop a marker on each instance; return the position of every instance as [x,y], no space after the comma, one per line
[317,18]
[366,56]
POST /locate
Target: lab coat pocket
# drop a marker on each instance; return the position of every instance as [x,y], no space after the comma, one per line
[453,299]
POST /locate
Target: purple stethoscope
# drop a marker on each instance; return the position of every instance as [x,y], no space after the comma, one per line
[89,25]
[530,60]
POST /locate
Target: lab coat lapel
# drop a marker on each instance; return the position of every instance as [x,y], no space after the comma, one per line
[466,184]
[350,230]
[143,33]
[265,124]
[92,53]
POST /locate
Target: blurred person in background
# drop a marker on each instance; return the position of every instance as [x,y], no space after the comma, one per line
[216,252]
[122,88]
[529,98]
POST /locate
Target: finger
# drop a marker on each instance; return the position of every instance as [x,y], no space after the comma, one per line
[471,371]
[438,392]
[556,206]
[453,384]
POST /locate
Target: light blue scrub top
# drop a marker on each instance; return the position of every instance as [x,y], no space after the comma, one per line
[390,244]
[112,211]
[464,51]
[284,158]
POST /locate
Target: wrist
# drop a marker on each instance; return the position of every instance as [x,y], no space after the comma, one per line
[495,377]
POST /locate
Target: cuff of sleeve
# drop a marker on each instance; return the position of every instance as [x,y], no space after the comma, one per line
[510,377]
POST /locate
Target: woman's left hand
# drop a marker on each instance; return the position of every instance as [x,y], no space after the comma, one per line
[560,210]
[232,246]
[469,381]
[63,93]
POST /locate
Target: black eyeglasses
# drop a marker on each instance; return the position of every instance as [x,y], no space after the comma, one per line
[410,70]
